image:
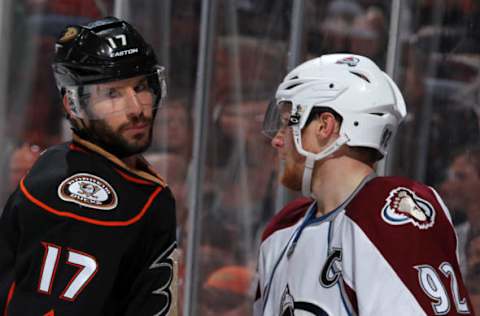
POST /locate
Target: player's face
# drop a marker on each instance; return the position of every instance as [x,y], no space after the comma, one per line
[172,126]
[293,161]
[122,115]
[462,180]
[473,254]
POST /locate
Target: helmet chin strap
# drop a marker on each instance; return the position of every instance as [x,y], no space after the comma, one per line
[307,175]
[311,158]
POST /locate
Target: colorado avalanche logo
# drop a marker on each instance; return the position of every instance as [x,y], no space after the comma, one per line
[404,206]
[288,306]
[350,61]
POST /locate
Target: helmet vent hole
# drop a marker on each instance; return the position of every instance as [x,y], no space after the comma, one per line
[331,86]
[377,114]
[355,123]
[105,26]
[359,75]
[292,86]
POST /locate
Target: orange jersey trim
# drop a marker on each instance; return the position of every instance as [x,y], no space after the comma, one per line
[141,173]
[131,221]
[76,148]
[133,179]
[9,298]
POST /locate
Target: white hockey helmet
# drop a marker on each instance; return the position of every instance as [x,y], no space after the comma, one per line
[369,102]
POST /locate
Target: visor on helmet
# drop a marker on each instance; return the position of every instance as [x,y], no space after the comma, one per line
[101,100]
[277,117]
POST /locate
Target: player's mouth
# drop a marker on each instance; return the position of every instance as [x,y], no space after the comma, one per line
[136,128]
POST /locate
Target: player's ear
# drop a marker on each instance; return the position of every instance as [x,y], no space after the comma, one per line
[327,125]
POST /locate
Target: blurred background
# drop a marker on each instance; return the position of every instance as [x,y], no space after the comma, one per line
[224,59]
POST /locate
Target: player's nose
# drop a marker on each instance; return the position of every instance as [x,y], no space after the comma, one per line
[133,104]
[278,140]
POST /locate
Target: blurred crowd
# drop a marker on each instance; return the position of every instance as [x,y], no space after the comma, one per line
[437,66]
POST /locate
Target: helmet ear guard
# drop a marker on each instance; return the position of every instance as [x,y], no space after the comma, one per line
[367,100]
[73,100]
[373,129]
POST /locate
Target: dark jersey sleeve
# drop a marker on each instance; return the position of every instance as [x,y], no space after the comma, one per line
[154,288]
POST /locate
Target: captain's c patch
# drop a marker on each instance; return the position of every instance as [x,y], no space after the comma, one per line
[88,190]
[403,206]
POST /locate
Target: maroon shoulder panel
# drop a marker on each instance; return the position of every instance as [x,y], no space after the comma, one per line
[352,296]
[389,211]
[288,216]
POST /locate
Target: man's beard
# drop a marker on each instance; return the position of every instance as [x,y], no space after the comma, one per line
[293,174]
[113,141]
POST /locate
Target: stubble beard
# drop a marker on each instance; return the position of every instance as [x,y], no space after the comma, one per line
[115,142]
[293,174]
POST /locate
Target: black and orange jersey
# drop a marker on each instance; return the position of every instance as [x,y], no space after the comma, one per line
[85,235]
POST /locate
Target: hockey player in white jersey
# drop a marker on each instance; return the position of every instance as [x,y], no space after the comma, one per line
[367,245]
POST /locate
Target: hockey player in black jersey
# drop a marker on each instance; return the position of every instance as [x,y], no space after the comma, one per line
[91,229]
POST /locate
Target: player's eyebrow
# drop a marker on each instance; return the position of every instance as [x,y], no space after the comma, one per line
[122,83]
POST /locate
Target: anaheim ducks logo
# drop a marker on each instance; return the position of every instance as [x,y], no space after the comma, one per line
[88,190]
[70,33]
[404,206]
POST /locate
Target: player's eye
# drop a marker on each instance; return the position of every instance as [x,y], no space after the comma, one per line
[284,121]
[113,93]
[142,86]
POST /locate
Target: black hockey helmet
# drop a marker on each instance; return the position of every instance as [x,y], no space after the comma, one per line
[102,51]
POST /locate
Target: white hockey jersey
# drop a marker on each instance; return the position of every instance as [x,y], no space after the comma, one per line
[390,249]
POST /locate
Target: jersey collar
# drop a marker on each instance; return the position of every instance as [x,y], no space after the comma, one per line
[146,171]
